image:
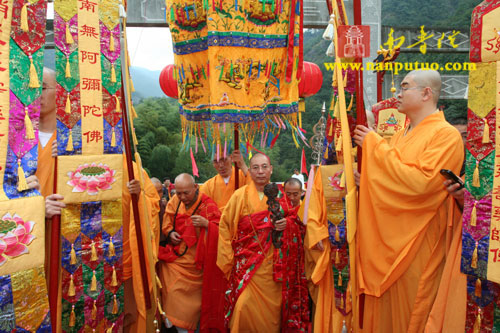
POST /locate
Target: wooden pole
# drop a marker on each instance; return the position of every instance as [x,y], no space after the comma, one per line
[360,120]
[135,202]
[236,147]
[55,258]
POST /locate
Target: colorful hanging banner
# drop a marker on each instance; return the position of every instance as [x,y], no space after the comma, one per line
[481,212]
[236,62]
[23,296]
[90,170]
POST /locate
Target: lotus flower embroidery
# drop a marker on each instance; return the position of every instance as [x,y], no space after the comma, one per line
[91,178]
[15,235]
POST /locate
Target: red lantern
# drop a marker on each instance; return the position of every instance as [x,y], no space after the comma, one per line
[311,80]
[168,83]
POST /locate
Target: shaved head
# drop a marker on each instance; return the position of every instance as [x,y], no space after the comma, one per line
[427,78]
[157,183]
[259,155]
[186,189]
[185,179]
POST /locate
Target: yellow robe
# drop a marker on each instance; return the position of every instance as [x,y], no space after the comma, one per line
[258,309]
[131,263]
[219,191]
[319,265]
[405,223]
[45,167]
[181,280]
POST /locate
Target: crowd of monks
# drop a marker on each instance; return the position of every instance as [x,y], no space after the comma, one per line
[226,263]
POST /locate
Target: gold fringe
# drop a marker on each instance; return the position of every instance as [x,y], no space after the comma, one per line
[342,302]
[68,105]
[71,288]
[486,131]
[93,251]
[158,283]
[72,255]
[117,105]
[111,248]
[115,305]
[473,215]
[93,283]
[477,323]
[337,258]
[24,18]
[342,180]
[69,146]
[132,89]
[113,137]
[111,42]
[72,317]
[337,234]
[349,108]
[69,37]
[340,279]
[477,289]
[475,176]
[110,330]
[113,73]
[68,68]
[94,311]
[473,262]
[114,281]
[22,185]
[28,125]
[338,146]
[34,83]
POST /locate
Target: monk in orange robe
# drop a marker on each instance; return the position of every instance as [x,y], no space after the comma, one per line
[134,306]
[47,133]
[406,219]
[222,186]
[319,255]
[191,224]
[246,255]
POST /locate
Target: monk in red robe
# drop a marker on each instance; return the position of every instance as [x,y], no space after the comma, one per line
[191,224]
[248,259]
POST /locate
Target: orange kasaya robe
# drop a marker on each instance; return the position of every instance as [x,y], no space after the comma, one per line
[258,306]
[131,260]
[405,223]
[219,191]
[327,318]
[45,167]
[182,272]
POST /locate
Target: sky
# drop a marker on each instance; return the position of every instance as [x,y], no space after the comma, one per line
[150,48]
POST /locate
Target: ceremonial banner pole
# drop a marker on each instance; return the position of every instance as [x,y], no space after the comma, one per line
[360,109]
[351,197]
[55,243]
[236,146]
[135,203]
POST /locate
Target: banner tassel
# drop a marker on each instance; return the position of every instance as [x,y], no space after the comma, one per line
[28,125]
[21,179]
[34,83]
[69,146]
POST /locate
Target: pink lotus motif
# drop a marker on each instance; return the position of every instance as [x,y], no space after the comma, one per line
[334,181]
[91,178]
[15,235]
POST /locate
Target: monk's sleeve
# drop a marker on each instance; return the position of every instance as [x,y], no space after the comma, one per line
[227,232]
[384,167]
[152,200]
[316,220]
